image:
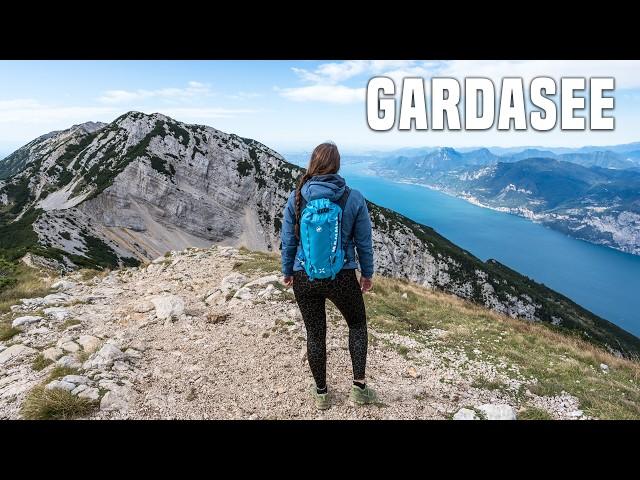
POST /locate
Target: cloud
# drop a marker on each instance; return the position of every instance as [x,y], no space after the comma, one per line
[244,95]
[343,82]
[33,112]
[324,93]
[186,114]
[193,89]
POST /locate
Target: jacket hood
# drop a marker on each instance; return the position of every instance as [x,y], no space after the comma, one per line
[324,186]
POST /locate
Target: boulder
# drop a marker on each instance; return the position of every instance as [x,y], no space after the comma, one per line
[89,343]
[494,411]
[52,353]
[104,357]
[77,379]
[465,414]
[117,399]
[56,299]
[69,361]
[168,306]
[15,352]
[57,313]
[71,347]
[63,285]
[61,384]
[26,320]
[90,394]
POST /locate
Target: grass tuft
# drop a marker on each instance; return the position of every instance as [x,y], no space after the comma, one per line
[43,404]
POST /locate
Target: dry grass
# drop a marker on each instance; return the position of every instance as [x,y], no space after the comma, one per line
[257,261]
[557,360]
[43,404]
[29,283]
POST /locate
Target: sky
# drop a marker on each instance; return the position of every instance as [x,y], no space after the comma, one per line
[288,105]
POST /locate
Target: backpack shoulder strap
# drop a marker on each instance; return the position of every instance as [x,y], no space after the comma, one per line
[342,201]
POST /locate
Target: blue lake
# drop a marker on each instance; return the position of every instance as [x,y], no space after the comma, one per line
[601,279]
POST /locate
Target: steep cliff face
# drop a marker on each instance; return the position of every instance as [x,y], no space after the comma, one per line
[134,189]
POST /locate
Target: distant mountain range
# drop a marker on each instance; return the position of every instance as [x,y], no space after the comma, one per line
[593,195]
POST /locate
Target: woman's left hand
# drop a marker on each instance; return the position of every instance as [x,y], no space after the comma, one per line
[288,281]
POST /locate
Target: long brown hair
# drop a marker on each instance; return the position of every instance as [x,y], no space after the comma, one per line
[325,159]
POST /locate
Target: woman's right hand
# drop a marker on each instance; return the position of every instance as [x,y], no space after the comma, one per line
[288,281]
[366,284]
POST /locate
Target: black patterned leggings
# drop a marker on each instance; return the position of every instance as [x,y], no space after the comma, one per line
[344,291]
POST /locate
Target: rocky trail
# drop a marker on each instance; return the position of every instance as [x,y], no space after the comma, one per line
[211,334]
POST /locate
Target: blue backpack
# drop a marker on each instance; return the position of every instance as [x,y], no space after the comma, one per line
[321,236]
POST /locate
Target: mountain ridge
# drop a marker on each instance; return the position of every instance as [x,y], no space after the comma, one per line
[145,184]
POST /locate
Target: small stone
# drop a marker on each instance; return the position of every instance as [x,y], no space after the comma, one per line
[38,331]
[604,367]
[476,351]
[497,411]
[412,372]
[26,320]
[245,331]
[576,414]
[52,353]
[61,384]
[294,314]
[404,295]
[465,414]
[15,352]
[143,307]
[131,353]
[217,317]
[120,366]
[89,343]
[79,389]
[71,347]
[90,394]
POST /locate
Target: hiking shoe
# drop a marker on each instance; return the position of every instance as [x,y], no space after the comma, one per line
[363,396]
[321,399]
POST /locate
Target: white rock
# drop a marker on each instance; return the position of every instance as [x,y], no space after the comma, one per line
[56,299]
[77,379]
[143,307]
[68,386]
[57,313]
[69,361]
[404,295]
[120,366]
[104,358]
[63,285]
[131,353]
[71,347]
[38,331]
[78,389]
[158,260]
[495,411]
[465,414]
[263,281]
[576,413]
[294,314]
[116,399]
[604,367]
[52,353]
[15,352]
[232,281]
[243,294]
[90,393]
[168,306]
[26,320]
[89,343]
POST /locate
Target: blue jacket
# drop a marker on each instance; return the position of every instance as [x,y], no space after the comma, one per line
[356,225]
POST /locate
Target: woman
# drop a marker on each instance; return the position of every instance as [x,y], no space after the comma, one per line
[321,180]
